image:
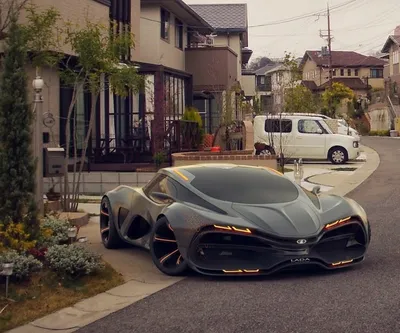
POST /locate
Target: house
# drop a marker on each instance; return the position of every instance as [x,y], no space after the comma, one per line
[264,87]
[356,71]
[217,67]
[392,69]
[281,79]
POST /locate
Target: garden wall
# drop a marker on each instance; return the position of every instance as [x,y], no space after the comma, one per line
[243,157]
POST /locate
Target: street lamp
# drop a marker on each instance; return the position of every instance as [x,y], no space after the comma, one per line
[7,272]
[38,85]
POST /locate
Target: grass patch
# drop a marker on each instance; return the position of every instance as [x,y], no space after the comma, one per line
[47,293]
[345,169]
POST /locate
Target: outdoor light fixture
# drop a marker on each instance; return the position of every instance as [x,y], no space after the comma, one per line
[38,83]
[7,272]
[72,233]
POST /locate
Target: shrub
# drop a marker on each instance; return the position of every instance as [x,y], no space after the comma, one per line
[14,236]
[24,265]
[54,231]
[73,260]
[379,133]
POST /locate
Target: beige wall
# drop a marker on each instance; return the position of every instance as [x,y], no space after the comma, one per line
[312,73]
[233,41]
[248,84]
[76,12]
[154,50]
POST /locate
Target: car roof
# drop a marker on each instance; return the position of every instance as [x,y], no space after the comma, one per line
[289,117]
[181,171]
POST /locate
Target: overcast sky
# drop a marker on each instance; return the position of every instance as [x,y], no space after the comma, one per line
[360,26]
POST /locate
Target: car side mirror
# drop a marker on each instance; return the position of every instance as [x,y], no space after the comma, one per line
[319,131]
[316,190]
[162,196]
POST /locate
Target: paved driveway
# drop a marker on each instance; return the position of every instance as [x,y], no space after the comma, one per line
[363,299]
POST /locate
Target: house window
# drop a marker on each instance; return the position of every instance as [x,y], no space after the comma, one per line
[262,80]
[395,57]
[120,17]
[165,18]
[349,72]
[342,72]
[333,72]
[376,73]
[356,72]
[178,34]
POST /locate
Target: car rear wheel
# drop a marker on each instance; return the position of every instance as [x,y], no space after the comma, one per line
[108,232]
[338,155]
[164,249]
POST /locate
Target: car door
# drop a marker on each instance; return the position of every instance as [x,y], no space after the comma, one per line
[310,139]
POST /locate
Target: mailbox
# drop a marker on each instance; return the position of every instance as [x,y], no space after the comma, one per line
[53,160]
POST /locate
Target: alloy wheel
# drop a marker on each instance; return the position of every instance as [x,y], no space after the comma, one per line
[104,222]
[338,156]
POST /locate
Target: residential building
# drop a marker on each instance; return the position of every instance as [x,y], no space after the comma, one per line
[217,66]
[357,71]
[264,87]
[392,49]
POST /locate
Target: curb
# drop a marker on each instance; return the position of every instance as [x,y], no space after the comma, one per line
[360,175]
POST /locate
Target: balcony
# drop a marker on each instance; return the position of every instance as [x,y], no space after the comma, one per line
[214,68]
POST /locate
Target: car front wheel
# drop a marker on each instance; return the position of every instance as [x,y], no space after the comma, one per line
[164,249]
[337,155]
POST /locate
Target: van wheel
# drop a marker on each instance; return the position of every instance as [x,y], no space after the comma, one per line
[267,151]
[338,155]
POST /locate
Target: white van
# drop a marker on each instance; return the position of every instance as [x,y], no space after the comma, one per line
[302,137]
[343,127]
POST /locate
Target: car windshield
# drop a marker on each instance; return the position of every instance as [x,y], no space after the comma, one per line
[243,185]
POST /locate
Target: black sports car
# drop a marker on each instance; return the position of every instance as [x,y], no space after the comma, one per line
[230,219]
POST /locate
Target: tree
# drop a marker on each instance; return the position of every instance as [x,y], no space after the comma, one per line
[8,9]
[333,96]
[98,55]
[260,62]
[300,99]
[17,167]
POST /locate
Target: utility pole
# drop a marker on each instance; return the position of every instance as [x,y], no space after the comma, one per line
[328,36]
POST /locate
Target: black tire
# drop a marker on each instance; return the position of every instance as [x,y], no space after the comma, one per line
[269,151]
[108,232]
[338,155]
[164,249]
[369,232]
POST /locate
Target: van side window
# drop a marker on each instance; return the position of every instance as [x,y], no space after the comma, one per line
[309,126]
[278,125]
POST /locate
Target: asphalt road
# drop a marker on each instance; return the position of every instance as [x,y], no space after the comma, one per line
[363,299]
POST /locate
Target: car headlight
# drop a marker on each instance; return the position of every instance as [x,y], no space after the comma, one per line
[355,144]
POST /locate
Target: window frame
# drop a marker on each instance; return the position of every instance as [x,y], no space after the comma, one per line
[341,72]
[288,121]
[356,72]
[316,121]
[348,71]
[179,34]
[148,189]
[165,17]
[378,71]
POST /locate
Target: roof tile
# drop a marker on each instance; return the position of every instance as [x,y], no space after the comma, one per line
[345,59]
[223,16]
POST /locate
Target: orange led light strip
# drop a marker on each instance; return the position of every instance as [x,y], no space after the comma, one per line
[181,174]
[275,171]
[342,262]
[334,224]
[241,271]
[246,230]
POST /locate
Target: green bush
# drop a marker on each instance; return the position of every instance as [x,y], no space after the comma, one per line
[54,231]
[24,265]
[73,260]
[379,133]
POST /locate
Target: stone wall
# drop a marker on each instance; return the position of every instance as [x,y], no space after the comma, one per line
[379,118]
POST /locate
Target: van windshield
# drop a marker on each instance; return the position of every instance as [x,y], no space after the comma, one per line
[325,126]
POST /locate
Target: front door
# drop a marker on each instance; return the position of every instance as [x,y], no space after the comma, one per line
[310,139]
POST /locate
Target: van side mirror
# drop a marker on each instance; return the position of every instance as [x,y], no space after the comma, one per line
[316,190]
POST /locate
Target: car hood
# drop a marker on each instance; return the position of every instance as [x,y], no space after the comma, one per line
[294,219]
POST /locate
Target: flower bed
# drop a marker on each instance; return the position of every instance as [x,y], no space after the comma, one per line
[240,157]
[50,272]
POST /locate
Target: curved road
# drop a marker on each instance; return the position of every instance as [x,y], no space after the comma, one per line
[363,299]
